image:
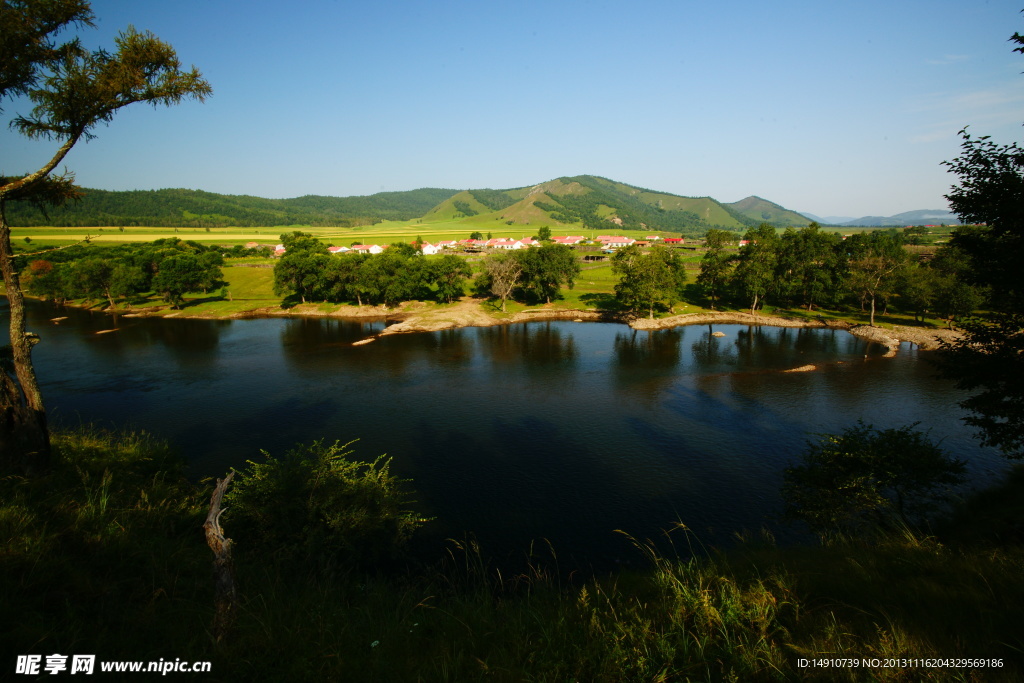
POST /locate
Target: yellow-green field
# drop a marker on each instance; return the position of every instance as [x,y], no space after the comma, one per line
[381,233]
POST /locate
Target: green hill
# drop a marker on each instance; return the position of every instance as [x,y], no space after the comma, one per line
[764,211]
[603,205]
[586,202]
[198,209]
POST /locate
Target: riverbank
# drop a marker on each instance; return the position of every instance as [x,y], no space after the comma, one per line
[928,339]
[419,316]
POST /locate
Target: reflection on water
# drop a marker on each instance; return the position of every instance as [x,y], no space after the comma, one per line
[558,430]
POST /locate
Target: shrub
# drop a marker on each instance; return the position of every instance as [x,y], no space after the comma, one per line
[317,504]
[865,478]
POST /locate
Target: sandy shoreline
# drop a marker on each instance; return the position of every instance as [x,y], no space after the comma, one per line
[415,317]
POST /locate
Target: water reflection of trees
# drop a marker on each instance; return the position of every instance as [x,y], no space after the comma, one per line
[711,353]
[647,361]
[765,348]
[191,342]
[318,346]
[534,349]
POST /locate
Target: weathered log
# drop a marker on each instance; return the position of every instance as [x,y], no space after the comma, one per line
[225,592]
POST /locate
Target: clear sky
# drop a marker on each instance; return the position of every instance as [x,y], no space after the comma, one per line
[832,108]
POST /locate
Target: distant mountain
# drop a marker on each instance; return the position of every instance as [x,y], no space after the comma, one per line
[764,211]
[920,217]
[599,204]
[828,220]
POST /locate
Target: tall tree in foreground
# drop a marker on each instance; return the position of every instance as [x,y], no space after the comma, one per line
[72,90]
[989,358]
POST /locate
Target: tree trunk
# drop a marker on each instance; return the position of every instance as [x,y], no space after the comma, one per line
[872,311]
[24,438]
[225,593]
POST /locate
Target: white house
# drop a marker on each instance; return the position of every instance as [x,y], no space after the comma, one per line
[503,243]
[429,249]
[612,241]
[368,248]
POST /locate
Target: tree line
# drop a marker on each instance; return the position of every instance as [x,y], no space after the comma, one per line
[309,272]
[168,267]
[812,268]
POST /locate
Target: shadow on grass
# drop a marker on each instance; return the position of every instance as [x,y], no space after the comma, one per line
[601,301]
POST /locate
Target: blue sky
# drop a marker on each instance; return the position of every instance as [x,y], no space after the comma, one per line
[831,108]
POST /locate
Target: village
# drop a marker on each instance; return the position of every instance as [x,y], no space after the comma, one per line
[607,243]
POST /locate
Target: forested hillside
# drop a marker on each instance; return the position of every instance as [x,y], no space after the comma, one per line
[198,209]
[597,204]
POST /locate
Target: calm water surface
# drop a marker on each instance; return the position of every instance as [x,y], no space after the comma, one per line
[560,430]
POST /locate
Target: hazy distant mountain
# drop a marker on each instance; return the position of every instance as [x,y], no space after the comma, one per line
[920,217]
[828,220]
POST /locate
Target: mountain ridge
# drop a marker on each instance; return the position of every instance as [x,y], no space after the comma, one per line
[595,202]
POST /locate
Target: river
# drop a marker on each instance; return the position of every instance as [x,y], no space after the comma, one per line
[557,430]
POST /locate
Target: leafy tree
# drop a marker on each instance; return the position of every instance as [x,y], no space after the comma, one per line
[449,274]
[875,266]
[807,271]
[547,268]
[341,277]
[48,280]
[92,278]
[298,241]
[955,300]
[991,192]
[648,280]
[989,361]
[500,276]
[543,234]
[865,478]
[989,358]
[301,269]
[715,265]
[917,288]
[754,276]
[404,249]
[179,274]
[915,234]
[476,235]
[73,90]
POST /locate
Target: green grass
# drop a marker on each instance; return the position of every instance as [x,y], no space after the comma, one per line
[105,555]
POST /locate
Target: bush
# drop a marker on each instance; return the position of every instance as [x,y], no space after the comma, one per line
[865,479]
[317,504]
